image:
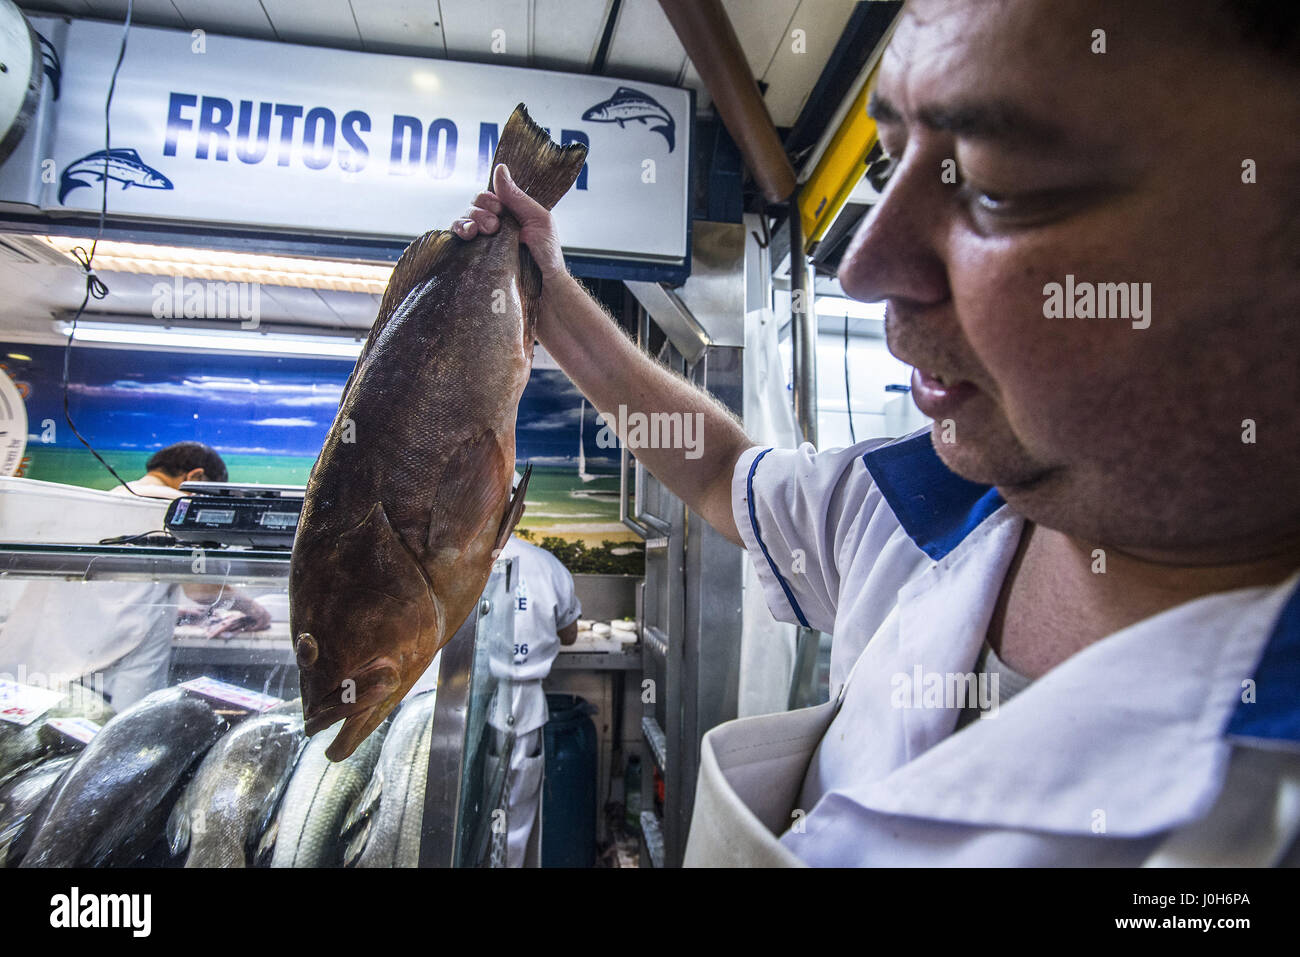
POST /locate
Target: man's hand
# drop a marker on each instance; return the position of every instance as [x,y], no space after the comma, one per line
[537,227]
[608,367]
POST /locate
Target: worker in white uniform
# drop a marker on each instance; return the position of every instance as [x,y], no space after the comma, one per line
[1100,306]
[117,636]
[546,611]
[144,669]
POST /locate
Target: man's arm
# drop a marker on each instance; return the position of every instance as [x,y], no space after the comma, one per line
[255,617]
[569,633]
[611,371]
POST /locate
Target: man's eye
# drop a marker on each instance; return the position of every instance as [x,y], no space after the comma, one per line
[1008,210]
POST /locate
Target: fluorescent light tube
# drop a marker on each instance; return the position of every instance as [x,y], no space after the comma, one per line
[221,266]
[211,340]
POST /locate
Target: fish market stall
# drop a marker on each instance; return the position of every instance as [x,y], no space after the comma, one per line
[214,768]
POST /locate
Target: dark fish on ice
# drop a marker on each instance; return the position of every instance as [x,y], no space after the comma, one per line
[105,807]
[409,502]
[232,796]
[22,799]
[20,745]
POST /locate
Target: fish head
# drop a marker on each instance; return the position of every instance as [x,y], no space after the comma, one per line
[597,113]
[152,179]
[365,625]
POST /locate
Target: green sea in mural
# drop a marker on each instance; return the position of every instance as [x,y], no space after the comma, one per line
[559,502]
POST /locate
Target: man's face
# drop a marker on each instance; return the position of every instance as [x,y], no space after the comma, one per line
[1024,157]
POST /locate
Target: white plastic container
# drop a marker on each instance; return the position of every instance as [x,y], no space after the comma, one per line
[53,513]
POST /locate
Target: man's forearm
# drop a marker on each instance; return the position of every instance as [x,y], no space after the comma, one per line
[687,440]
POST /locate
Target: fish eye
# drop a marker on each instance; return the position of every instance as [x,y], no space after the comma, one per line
[306,650]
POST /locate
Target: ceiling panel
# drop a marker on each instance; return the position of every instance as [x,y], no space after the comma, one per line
[409,27]
[760,26]
[73,8]
[566,33]
[241,18]
[157,13]
[644,46]
[792,75]
[321,22]
[469,27]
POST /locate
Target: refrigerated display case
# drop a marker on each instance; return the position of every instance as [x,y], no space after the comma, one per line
[108,644]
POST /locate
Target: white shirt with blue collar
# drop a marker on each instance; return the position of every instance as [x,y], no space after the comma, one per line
[1098,762]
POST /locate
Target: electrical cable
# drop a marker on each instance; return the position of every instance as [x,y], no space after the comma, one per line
[848,396]
[95,287]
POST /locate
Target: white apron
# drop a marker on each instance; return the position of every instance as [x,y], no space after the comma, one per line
[752,770]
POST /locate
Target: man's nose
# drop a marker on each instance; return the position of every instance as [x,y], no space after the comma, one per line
[895,253]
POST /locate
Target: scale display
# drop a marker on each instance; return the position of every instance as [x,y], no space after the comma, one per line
[258,516]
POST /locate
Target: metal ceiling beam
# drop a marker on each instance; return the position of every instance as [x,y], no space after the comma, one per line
[710,41]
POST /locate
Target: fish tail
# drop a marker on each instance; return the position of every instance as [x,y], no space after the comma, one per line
[541,168]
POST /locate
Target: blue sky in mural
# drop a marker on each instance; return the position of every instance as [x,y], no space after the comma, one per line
[253,405]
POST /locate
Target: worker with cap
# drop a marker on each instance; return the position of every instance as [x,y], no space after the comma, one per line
[546,609]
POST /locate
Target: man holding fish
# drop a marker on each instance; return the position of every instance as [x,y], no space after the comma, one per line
[1092,515]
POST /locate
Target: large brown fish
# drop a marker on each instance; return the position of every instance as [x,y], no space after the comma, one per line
[409,502]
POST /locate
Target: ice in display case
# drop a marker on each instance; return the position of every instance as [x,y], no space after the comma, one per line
[149,716]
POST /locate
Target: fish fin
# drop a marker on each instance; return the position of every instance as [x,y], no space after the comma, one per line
[530,290]
[268,816]
[514,511]
[379,558]
[178,828]
[266,844]
[540,167]
[68,185]
[669,135]
[469,492]
[366,803]
[357,846]
[420,260]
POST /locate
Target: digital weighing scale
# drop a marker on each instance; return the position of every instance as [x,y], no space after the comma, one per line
[219,513]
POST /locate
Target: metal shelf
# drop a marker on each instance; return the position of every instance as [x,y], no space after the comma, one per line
[656,642]
[136,563]
[653,835]
[233,651]
[657,740]
[596,661]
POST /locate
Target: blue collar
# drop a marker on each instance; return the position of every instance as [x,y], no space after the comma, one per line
[938,509]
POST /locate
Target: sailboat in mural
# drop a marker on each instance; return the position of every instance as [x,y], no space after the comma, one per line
[583,474]
[582,450]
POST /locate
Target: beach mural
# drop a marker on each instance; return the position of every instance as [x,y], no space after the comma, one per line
[268,415]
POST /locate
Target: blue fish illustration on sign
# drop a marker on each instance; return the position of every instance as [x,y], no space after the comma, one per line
[123,166]
[50,63]
[628,104]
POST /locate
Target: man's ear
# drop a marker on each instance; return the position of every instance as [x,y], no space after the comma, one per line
[195,475]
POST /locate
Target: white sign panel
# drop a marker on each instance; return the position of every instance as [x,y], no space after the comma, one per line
[331,142]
